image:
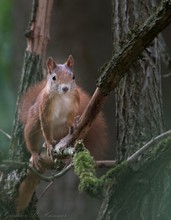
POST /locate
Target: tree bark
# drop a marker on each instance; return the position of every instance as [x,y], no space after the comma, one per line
[139,113]
[140,191]
[37,38]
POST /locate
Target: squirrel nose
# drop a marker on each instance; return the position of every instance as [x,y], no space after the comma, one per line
[65,89]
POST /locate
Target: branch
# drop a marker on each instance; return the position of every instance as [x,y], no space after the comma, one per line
[105,163]
[45,190]
[117,68]
[166,75]
[141,39]
[149,144]
[8,165]
[37,32]
[52,177]
[164,53]
[140,186]
[91,184]
[100,164]
[6,134]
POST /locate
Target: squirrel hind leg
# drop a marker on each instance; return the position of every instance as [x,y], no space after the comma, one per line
[32,138]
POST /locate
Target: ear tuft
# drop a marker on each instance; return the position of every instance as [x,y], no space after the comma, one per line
[51,65]
[70,62]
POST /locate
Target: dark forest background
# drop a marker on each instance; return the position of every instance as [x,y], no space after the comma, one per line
[80,28]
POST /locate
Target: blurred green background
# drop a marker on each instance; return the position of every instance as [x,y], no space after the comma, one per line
[7,97]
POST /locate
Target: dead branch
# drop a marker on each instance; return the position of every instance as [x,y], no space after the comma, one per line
[37,32]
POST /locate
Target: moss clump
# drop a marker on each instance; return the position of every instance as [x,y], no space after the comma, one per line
[85,169]
[84,166]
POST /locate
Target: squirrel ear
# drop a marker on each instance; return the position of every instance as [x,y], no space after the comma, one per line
[51,65]
[70,62]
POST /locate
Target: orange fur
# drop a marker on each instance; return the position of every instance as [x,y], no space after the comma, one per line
[48,110]
[40,104]
[95,141]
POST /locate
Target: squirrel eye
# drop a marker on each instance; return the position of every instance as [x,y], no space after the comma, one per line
[73,77]
[54,78]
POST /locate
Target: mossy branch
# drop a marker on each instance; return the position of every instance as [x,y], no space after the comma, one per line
[141,38]
[84,165]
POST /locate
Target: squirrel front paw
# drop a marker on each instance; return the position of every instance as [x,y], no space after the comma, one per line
[50,150]
[36,163]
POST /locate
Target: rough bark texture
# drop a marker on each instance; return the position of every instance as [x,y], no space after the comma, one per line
[141,191]
[32,64]
[37,38]
[132,45]
[138,97]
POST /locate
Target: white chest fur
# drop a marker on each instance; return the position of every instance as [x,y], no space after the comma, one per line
[62,106]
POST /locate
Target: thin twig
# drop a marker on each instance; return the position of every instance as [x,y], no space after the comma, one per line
[166,75]
[13,164]
[149,144]
[105,163]
[164,52]
[16,164]
[6,134]
[99,164]
[45,190]
[52,177]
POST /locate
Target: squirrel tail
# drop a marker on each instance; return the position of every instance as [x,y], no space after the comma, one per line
[26,191]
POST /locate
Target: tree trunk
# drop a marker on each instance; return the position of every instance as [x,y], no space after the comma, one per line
[141,191]
[139,114]
[37,35]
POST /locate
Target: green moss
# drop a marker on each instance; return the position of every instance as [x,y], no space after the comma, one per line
[113,173]
[84,166]
[159,148]
[85,169]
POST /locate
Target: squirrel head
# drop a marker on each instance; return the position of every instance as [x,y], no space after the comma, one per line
[60,77]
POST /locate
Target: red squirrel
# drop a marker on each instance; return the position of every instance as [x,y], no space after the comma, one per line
[49,109]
